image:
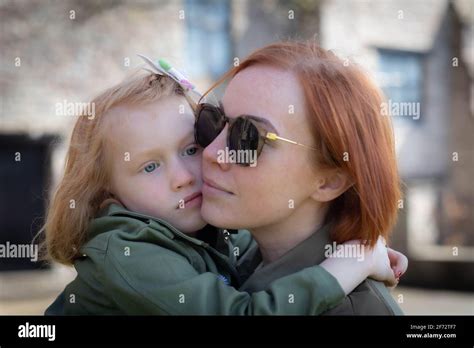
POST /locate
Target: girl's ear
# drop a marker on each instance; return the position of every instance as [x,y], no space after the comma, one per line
[330,185]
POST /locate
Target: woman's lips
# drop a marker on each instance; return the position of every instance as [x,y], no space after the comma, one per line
[210,187]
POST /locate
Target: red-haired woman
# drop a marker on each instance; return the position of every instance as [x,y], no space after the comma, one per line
[324,170]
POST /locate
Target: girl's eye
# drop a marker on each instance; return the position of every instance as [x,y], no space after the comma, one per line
[191,151]
[151,167]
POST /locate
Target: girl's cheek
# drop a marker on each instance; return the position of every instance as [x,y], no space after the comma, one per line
[149,183]
[196,162]
[198,157]
[155,192]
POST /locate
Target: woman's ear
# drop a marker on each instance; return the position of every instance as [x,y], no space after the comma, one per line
[331,184]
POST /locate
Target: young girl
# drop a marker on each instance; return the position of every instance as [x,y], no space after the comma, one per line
[127,215]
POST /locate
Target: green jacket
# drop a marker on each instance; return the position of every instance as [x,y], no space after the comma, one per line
[369,298]
[139,265]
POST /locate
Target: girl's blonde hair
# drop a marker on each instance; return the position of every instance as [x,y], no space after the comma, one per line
[83,187]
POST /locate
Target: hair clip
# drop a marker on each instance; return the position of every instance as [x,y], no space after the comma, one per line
[164,68]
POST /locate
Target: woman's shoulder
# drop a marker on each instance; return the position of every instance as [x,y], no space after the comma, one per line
[369,298]
[382,293]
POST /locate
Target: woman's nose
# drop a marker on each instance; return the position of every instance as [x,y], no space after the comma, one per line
[214,152]
[180,176]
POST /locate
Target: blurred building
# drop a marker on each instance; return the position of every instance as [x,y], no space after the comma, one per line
[422,55]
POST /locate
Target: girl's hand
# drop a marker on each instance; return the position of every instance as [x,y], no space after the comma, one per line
[380,263]
[387,265]
[398,263]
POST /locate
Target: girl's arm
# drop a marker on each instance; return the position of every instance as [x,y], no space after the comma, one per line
[157,281]
[380,263]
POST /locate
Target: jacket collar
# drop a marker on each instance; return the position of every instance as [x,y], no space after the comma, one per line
[115,209]
[308,253]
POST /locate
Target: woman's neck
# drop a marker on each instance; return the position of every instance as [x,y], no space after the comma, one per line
[277,239]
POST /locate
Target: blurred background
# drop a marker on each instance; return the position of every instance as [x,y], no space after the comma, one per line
[420,52]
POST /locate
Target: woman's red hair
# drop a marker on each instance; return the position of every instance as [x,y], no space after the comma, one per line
[345,111]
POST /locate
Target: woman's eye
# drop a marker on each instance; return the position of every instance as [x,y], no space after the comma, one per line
[192,150]
[151,167]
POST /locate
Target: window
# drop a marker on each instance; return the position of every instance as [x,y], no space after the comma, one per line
[400,76]
[208,44]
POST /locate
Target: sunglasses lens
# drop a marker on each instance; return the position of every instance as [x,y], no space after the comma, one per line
[209,124]
[244,135]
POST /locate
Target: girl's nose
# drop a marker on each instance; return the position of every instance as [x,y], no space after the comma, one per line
[180,176]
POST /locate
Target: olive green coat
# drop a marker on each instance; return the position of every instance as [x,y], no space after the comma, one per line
[369,298]
[136,264]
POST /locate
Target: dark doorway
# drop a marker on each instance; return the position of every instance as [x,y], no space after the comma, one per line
[25,172]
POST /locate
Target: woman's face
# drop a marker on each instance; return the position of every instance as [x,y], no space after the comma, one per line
[284,178]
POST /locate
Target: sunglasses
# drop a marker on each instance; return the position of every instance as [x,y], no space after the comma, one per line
[245,131]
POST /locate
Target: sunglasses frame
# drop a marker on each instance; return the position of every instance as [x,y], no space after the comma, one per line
[231,122]
[267,136]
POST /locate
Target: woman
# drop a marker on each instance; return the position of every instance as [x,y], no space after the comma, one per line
[325,171]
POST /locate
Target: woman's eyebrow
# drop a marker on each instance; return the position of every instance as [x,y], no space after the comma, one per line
[259,119]
[265,121]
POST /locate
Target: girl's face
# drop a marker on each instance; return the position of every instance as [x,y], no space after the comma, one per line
[155,163]
[284,178]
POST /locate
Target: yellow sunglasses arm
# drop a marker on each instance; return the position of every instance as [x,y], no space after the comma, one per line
[273,136]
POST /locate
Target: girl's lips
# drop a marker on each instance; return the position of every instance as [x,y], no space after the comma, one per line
[191,201]
[194,202]
[191,197]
